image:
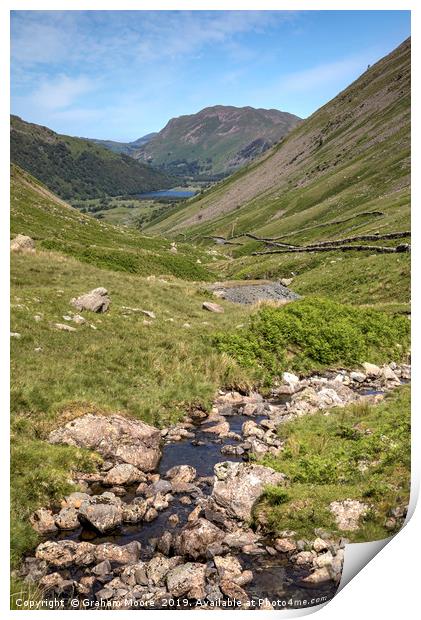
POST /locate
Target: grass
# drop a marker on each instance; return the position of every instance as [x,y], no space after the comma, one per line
[153,372]
[359,452]
[315,333]
[39,214]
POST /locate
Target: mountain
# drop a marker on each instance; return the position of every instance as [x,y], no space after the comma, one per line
[215,141]
[77,168]
[350,157]
[127,148]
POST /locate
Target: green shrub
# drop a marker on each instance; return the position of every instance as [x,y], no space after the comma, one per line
[314,333]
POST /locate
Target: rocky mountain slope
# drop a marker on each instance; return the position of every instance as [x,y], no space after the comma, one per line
[351,156]
[77,168]
[215,141]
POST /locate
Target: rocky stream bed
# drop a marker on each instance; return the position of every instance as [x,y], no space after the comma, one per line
[165,522]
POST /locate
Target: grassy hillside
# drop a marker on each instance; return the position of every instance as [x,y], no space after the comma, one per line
[78,168]
[351,156]
[56,226]
[216,140]
[153,369]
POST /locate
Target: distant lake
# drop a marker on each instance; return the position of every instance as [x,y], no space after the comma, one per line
[167,193]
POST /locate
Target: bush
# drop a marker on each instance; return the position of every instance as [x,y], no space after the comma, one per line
[314,333]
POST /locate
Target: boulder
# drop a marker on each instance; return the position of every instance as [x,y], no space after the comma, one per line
[319,576]
[135,511]
[220,428]
[114,437]
[285,545]
[65,553]
[181,473]
[43,522]
[102,512]
[75,500]
[22,243]
[195,537]
[238,486]
[347,513]
[67,519]
[55,583]
[187,580]
[320,545]
[211,306]
[228,566]
[123,473]
[371,370]
[159,566]
[121,554]
[234,592]
[96,300]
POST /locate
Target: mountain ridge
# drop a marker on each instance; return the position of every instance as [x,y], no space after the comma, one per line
[77,168]
[216,140]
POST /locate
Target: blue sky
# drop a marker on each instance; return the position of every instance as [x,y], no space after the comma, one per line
[122,74]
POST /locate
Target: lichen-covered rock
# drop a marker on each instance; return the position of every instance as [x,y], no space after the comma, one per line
[195,537]
[43,522]
[228,566]
[121,554]
[234,592]
[96,300]
[187,580]
[135,511]
[114,437]
[22,243]
[238,486]
[64,553]
[124,473]
[347,513]
[181,473]
[159,566]
[67,519]
[103,512]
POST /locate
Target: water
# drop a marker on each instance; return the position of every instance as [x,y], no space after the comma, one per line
[275,577]
[176,194]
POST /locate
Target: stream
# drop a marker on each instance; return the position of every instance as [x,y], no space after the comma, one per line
[274,576]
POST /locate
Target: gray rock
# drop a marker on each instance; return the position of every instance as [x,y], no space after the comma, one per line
[102,512]
[347,513]
[64,553]
[195,537]
[124,473]
[123,439]
[96,300]
[22,243]
[43,521]
[187,580]
[135,511]
[212,307]
[181,473]
[121,554]
[103,569]
[238,486]
[159,566]
[67,519]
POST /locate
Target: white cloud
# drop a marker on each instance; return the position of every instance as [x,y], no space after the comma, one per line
[322,75]
[60,92]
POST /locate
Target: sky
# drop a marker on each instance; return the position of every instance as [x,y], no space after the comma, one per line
[122,74]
